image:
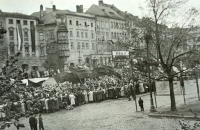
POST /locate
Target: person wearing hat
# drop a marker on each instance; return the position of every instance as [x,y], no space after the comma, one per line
[141,104]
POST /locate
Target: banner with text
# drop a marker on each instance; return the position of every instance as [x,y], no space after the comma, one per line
[162,88]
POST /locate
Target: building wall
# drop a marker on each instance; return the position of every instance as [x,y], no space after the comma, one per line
[82,38]
[28,58]
[3,52]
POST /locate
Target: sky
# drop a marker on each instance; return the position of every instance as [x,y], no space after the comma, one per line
[30,6]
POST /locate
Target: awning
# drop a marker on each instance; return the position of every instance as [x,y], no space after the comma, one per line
[37,80]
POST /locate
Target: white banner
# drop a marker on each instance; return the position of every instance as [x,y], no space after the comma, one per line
[191,86]
[162,88]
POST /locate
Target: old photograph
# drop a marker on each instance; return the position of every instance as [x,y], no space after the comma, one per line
[99,64]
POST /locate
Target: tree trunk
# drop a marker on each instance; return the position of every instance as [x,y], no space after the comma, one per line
[172,96]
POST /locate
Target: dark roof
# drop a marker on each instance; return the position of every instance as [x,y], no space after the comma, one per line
[37,14]
[18,15]
[104,12]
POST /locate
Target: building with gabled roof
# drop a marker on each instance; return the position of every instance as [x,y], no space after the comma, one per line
[24,27]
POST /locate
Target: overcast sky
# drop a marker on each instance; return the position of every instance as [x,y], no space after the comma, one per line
[30,6]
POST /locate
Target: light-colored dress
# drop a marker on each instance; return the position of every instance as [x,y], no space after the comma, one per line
[85,95]
[90,96]
[122,92]
[72,99]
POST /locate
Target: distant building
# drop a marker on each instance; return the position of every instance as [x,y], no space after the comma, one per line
[32,55]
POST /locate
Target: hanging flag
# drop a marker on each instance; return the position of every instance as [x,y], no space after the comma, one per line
[33,36]
[19,38]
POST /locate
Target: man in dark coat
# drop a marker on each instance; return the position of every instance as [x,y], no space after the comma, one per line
[33,122]
[141,104]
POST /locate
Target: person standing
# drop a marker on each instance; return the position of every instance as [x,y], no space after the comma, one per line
[141,104]
[41,127]
[32,122]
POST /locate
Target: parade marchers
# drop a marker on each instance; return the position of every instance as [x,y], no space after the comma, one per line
[51,98]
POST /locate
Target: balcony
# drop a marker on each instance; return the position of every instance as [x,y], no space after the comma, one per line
[64,53]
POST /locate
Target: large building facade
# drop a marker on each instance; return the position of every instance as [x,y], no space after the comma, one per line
[24,27]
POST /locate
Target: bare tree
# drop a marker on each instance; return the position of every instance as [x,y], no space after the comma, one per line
[168,36]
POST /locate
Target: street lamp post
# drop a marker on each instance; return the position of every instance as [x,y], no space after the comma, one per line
[147,38]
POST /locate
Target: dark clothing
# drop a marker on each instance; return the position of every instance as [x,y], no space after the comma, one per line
[141,104]
[33,123]
[41,127]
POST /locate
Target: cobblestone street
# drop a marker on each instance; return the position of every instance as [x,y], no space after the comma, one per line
[118,114]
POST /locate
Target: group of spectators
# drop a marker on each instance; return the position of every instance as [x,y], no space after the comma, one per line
[51,98]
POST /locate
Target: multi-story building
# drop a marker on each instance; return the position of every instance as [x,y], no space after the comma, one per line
[79,29]
[3,52]
[17,24]
[109,29]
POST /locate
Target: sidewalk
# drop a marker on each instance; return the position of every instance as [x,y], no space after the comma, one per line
[190,111]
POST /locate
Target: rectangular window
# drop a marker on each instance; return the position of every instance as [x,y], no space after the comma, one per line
[12,49]
[107,35]
[83,46]
[107,25]
[1,24]
[77,33]
[77,23]
[102,24]
[18,21]
[87,46]
[92,35]
[11,35]
[93,46]
[25,22]
[78,46]
[85,24]
[10,21]
[70,22]
[91,24]
[26,36]
[71,34]
[41,36]
[82,34]
[86,36]
[98,25]
[117,25]
[111,24]
[51,34]
[72,45]
[32,22]
[112,35]
[26,50]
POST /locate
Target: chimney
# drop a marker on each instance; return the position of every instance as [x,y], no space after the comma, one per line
[100,2]
[81,8]
[54,8]
[77,8]
[41,11]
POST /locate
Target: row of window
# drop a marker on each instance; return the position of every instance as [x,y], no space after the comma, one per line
[82,46]
[117,25]
[25,22]
[81,34]
[11,35]
[27,51]
[78,23]
[102,24]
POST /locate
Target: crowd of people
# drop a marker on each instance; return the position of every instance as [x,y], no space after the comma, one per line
[51,98]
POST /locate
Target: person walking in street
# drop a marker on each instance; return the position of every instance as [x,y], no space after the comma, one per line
[141,104]
[41,127]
